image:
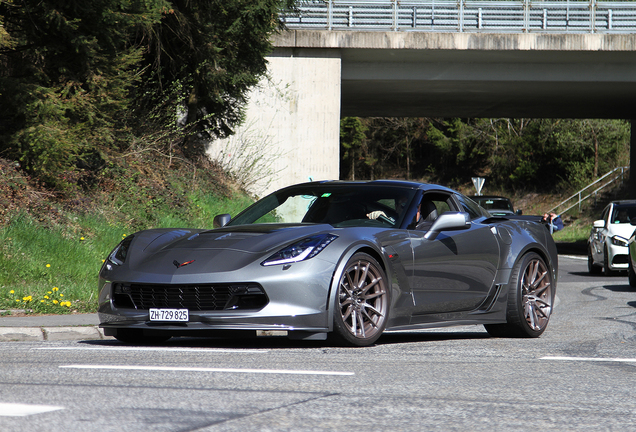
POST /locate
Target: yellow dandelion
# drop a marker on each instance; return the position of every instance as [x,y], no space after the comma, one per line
[123,235]
[61,295]
[81,238]
[55,302]
[48,265]
[11,292]
[42,301]
[56,289]
[49,292]
[27,298]
[46,297]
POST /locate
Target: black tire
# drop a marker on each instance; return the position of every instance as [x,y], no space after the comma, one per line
[591,267]
[607,271]
[631,275]
[136,337]
[362,302]
[530,299]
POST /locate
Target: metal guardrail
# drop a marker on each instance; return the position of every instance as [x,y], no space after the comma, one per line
[488,16]
[606,180]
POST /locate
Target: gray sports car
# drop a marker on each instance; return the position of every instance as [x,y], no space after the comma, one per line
[347,260]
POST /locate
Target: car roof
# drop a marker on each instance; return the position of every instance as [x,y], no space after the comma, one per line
[396,183]
[624,202]
[490,197]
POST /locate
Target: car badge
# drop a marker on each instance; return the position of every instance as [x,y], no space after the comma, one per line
[176,263]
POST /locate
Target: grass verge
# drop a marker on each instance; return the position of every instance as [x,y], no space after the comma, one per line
[52,249]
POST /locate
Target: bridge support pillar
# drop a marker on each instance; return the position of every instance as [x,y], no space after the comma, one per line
[291,131]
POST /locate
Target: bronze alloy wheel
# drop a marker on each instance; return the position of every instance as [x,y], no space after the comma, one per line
[362,302]
[536,289]
[530,299]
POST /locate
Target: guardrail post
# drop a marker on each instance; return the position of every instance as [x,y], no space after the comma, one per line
[395,15]
[526,16]
[330,15]
[460,11]
[592,16]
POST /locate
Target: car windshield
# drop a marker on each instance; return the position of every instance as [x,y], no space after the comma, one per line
[337,205]
[495,204]
[623,213]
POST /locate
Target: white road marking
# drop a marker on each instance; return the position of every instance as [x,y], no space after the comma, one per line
[575,257]
[163,349]
[196,369]
[591,359]
[22,410]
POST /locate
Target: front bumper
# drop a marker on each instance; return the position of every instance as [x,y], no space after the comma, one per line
[617,256]
[297,300]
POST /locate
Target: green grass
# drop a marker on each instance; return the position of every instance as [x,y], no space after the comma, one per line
[577,231]
[53,267]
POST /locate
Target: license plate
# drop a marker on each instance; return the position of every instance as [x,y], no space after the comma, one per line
[169,315]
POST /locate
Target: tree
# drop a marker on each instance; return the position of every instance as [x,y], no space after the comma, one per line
[352,137]
[216,50]
[65,76]
[81,78]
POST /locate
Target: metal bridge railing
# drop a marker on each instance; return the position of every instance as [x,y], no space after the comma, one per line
[520,16]
[576,199]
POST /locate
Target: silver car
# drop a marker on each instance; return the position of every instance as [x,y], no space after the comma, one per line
[607,243]
[338,260]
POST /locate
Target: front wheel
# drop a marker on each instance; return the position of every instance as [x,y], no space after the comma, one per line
[362,302]
[530,299]
[591,267]
[631,275]
[607,271]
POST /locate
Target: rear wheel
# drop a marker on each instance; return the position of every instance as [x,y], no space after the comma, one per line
[362,302]
[530,299]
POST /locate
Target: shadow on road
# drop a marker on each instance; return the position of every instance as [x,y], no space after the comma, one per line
[284,342]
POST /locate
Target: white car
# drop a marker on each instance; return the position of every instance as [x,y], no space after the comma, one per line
[607,245]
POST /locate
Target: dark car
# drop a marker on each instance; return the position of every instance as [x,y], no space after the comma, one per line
[347,260]
[496,205]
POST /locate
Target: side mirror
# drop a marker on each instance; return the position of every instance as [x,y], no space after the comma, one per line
[599,224]
[448,221]
[519,212]
[221,220]
[633,221]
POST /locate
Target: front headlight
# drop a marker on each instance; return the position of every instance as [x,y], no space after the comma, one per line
[119,254]
[619,241]
[301,250]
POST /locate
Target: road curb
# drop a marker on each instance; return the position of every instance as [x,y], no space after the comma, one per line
[40,334]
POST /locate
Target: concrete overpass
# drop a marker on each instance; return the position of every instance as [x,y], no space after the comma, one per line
[318,76]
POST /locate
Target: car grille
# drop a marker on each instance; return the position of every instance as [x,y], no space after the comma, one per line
[209,297]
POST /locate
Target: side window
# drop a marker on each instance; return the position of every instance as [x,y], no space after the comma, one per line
[431,206]
[470,207]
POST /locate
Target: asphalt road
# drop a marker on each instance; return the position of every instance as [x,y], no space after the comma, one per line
[579,376]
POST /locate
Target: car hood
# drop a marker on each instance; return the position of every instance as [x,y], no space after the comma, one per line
[219,250]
